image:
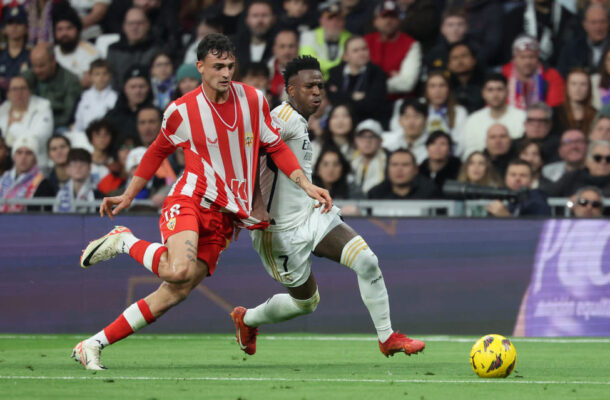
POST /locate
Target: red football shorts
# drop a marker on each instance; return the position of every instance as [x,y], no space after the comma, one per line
[215,228]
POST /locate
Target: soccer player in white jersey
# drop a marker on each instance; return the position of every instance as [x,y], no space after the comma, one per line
[221,126]
[297,229]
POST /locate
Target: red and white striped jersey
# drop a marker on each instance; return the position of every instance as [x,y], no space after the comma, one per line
[221,146]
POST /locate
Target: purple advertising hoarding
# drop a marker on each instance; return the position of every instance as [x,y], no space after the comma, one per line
[445,276]
[569,292]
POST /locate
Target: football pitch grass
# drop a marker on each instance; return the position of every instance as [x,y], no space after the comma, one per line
[297,366]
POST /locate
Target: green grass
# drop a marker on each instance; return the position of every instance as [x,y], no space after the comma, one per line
[296,367]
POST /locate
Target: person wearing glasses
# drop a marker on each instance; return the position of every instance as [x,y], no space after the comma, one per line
[587,202]
[596,172]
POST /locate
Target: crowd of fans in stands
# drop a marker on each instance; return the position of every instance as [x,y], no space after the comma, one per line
[504,94]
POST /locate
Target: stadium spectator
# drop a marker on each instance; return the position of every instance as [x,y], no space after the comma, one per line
[478,170]
[332,172]
[358,82]
[40,25]
[204,27]
[498,147]
[485,26]
[14,51]
[533,202]
[600,81]
[444,113]
[369,162]
[326,43]
[497,112]
[285,48]
[528,80]
[164,26]
[530,150]
[71,52]
[586,51]
[91,13]
[162,80]
[454,28]
[339,132]
[467,77]
[255,40]
[23,114]
[229,13]
[440,165]
[572,152]
[136,94]
[298,15]
[596,172]
[58,148]
[117,175]
[357,15]
[601,128]
[398,54]
[24,180]
[96,101]
[5,157]
[550,22]
[53,82]
[149,125]
[136,46]
[257,75]
[80,186]
[576,111]
[403,181]
[420,19]
[187,78]
[587,202]
[102,135]
[538,126]
[413,134]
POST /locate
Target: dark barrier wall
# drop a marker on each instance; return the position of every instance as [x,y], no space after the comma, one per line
[448,276]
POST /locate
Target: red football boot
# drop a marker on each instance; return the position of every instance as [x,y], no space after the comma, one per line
[246,335]
[398,342]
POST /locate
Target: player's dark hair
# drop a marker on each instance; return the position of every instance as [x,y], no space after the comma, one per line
[300,63]
[495,77]
[79,155]
[215,44]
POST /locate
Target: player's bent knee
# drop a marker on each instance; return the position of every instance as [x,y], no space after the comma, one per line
[309,305]
[180,270]
[366,264]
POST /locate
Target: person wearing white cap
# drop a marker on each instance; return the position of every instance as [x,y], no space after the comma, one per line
[529,81]
[24,180]
[370,158]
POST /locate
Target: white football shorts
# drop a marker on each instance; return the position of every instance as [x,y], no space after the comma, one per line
[286,255]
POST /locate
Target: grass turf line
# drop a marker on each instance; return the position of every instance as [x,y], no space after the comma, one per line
[308,367]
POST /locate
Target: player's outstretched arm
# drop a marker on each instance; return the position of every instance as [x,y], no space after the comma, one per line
[313,191]
[123,201]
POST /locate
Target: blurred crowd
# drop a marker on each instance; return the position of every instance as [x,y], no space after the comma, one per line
[498,94]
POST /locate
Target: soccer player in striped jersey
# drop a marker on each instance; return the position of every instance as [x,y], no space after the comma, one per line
[298,229]
[221,126]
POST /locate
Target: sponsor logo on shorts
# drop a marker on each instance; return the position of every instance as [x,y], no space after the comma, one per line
[171,224]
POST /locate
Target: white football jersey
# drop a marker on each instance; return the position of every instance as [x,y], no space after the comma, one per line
[287,204]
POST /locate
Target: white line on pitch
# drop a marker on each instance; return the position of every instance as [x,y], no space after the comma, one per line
[262,379]
[312,338]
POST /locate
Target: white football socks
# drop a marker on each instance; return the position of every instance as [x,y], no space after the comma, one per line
[280,307]
[359,257]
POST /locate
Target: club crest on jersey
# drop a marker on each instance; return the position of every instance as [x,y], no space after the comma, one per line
[171,224]
[249,138]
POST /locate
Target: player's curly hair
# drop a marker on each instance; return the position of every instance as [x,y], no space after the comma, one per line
[216,44]
[300,63]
